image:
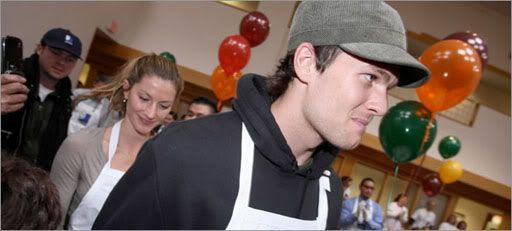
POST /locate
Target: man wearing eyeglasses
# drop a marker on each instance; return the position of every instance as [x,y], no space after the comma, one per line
[362,212]
[36,107]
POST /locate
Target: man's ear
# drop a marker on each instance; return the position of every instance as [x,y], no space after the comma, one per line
[39,49]
[304,62]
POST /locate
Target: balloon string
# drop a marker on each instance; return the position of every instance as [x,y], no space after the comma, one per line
[219,105]
[392,185]
[423,142]
[427,132]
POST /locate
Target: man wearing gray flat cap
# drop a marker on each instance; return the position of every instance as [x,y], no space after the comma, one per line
[266,164]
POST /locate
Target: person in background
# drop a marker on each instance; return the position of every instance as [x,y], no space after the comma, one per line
[462,225]
[361,212]
[29,199]
[199,107]
[267,163]
[424,217]
[91,112]
[346,182]
[36,108]
[90,162]
[449,224]
[171,117]
[397,213]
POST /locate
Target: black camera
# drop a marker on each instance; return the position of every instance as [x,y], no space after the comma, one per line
[12,55]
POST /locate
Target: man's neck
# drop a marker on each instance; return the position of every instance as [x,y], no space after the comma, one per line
[46,80]
[299,134]
[362,197]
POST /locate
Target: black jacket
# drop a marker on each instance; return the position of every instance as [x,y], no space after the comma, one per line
[56,131]
[187,177]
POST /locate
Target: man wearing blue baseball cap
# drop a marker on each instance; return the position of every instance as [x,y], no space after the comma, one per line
[36,107]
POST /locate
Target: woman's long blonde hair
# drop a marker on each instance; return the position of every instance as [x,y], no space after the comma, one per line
[133,71]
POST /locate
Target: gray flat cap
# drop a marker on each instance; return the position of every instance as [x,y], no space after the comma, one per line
[368,29]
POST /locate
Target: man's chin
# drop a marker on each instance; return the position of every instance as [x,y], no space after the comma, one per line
[58,76]
[347,146]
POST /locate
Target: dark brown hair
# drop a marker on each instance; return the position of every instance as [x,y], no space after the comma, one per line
[462,225]
[278,82]
[366,179]
[29,199]
[400,195]
[205,101]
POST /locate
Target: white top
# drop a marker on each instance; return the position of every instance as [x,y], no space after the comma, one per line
[422,218]
[43,92]
[84,216]
[395,217]
[90,113]
[346,193]
[447,226]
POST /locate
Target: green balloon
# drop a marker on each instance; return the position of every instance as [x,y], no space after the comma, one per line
[449,146]
[168,55]
[402,129]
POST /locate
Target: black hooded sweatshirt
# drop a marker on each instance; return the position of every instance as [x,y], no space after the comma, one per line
[187,177]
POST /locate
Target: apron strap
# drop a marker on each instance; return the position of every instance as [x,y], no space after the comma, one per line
[114,139]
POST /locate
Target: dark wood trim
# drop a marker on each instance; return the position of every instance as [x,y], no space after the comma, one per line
[379,160]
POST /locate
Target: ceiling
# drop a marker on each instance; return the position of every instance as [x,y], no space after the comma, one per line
[501,7]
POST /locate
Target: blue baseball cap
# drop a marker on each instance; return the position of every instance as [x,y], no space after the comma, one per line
[64,40]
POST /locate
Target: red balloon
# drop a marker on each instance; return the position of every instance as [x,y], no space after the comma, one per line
[224,86]
[255,28]
[234,53]
[432,184]
[474,40]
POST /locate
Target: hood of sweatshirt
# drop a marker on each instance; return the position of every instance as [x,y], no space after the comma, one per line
[253,106]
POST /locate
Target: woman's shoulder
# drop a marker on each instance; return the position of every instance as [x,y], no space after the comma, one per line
[84,138]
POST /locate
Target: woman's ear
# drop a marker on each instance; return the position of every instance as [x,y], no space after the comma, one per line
[126,88]
[304,62]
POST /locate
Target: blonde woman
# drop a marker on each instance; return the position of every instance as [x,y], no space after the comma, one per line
[90,162]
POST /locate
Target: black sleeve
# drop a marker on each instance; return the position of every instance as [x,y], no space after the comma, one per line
[134,202]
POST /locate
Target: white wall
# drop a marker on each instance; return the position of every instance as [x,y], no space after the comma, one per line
[474,212]
[441,19]
[30,20]
[485,147]
[192,31]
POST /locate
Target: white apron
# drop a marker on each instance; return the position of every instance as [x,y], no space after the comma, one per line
[245,217]
[87,211]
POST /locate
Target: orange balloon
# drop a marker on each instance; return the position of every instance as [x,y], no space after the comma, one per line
[456,72]
[450,171]
[224,86]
